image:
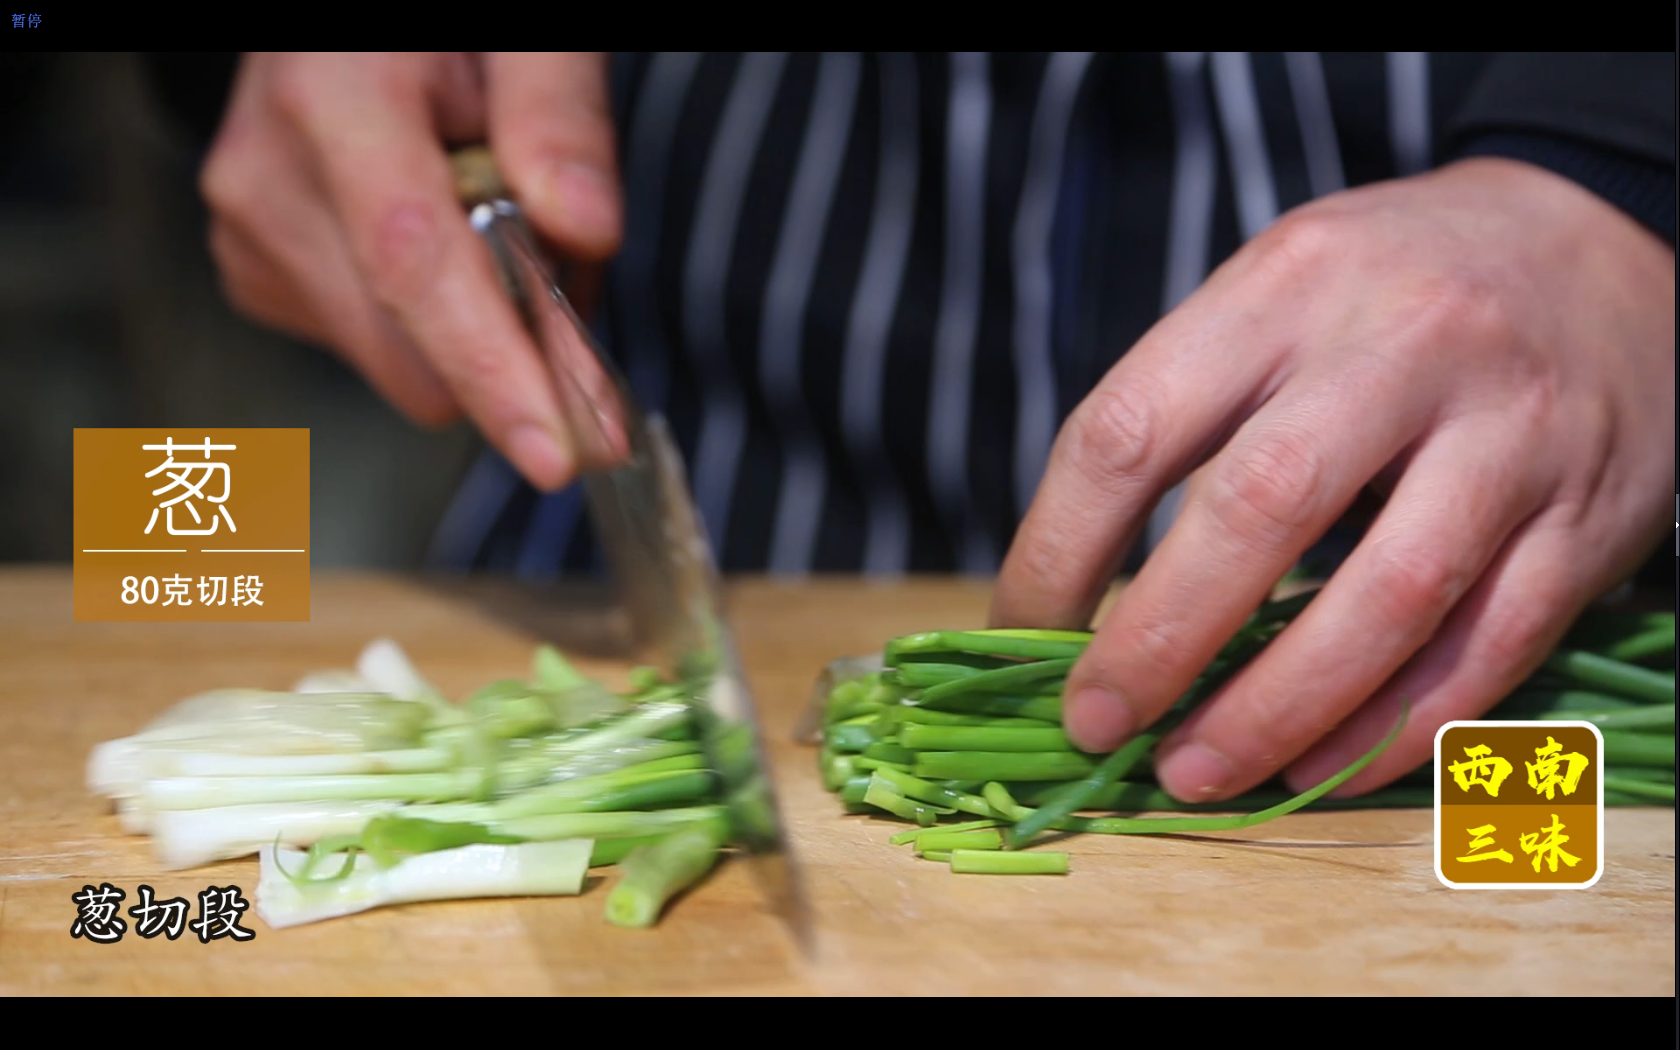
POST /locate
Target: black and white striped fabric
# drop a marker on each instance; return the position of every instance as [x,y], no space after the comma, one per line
[866,289]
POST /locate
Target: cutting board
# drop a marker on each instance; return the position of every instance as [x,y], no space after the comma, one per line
[1337,903]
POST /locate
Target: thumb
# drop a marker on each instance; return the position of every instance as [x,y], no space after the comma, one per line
[551,130]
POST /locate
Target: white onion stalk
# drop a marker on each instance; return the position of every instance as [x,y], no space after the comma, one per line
[334,681]
[167,793]
[452,783]
[122,768]
[212,764]
[257,722]
[384,664]
[135,817]
[529,869]
[187,838]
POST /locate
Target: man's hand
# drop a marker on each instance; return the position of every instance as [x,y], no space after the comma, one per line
[335,220]
[1489,346]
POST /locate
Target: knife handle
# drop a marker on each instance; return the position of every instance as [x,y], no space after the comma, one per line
[477,179]
[596,407]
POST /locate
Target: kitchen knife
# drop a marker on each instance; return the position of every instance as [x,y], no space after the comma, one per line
[645,519]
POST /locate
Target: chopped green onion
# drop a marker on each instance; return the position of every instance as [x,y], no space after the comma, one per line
[951,840]
[885,751]
[907,837]
[849,738]
[934,794]
[654,874]
[988,862]
[531,869]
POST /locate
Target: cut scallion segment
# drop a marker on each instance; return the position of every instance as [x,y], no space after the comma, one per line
[953,840]
[989,862]
[535,869]
[910,837]
[654,874]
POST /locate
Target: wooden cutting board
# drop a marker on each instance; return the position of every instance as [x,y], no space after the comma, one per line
[1340,903]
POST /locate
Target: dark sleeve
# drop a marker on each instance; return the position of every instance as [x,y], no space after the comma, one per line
[1605,120]
[192,87]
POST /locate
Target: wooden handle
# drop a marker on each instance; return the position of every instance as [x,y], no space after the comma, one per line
[476,177]
[477,180]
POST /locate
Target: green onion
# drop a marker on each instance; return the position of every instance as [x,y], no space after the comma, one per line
[1134,797]
[885,751]
[1601,672]
[838,772]
[1623,748]
[1078,795]
[1176,825]
[1527,703]
[849,738]
[1623,799]
[394,794]
[922,716]
[608,852]
[654,874]
[1645,716]
[856,788]
[952,840]
[1643,646]
[873,764]
[1003,680]
[1038,708]
[1001,765]
[920,675]
[553,827]
[935,794]
[1247,644]
[1029,645]
[883,795]
[1639,788]
[982,738]
[974,724]
[987,862]
[907,837]
[526,870]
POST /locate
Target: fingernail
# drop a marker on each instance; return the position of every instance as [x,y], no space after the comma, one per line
[1099,719]
[587,200]
[539,456]
[1195,770]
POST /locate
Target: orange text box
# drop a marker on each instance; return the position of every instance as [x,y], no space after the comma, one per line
[1519,805]
[191,525]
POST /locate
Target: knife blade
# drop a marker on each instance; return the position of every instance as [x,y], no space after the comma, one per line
[644,515]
